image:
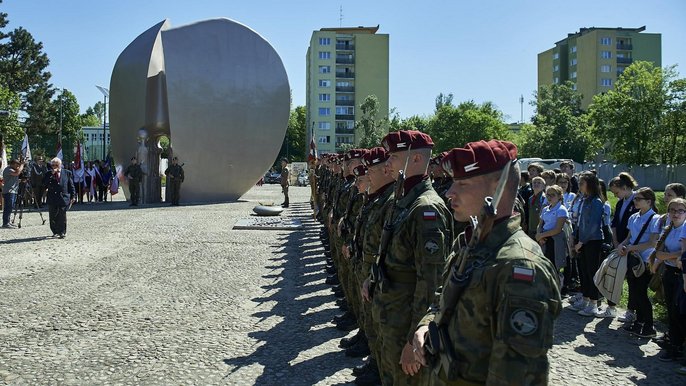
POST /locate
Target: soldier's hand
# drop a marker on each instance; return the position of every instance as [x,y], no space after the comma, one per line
[409,365]
[365,291]
[346,252]
[418,344]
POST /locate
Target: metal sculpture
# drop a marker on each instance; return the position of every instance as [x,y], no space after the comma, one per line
[217,90]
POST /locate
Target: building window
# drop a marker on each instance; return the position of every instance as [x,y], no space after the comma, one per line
[557,80]
[606,54]
[345,125]
[572,49]
[343,84]
[324,41]
[572,62]
[324,97]
[325,139]
[605,41]
[324,83]
[324,69]
[324,55]
[606,82]
[556,68]
[324,125]
[323,111]
[574,87]
[556,56]
[345,110]
[605,68]
[573,75]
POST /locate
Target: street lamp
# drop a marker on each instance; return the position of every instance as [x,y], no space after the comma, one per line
[105,92]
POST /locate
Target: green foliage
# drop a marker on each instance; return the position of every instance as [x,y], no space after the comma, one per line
[560,128]
[414,122]
[371,127]
[636,117]
[22,62]
[294,146]
[454,126]
[10,129]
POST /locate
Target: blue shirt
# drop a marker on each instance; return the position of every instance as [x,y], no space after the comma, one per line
[550,215]
[636,222]
[590,220]
[673,243]
[607,214]
[568,198]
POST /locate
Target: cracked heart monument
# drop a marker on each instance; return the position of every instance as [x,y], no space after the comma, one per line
[217,90]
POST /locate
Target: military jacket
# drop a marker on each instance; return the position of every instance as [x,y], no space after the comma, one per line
[135,172]
[342,198]
[502,325]
[422,237]
[176,171]
[348,228]
[373,224]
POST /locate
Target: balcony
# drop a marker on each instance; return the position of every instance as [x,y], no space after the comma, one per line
[345,117]
[624,60]
[345,88]
[345,102]
[344,130]
[627,47]
[345,75]
[345,47]
[345,61]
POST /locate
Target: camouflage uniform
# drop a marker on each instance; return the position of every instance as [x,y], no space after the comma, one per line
[351,287]
[422,237]
[502,325]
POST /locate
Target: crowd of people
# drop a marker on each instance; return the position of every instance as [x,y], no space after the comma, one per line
[401,239]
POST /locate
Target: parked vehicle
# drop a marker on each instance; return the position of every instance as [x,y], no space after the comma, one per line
[548,164]
[303,179]
[272,178]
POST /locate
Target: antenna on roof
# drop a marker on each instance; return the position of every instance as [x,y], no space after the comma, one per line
[340,17]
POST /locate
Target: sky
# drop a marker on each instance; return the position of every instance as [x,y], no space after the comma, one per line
[481,50]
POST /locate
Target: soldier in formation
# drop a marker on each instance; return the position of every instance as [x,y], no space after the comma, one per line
[391,215]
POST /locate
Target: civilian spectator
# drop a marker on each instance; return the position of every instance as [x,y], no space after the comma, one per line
[567,168]
[550,233]
[536,203]
[10,189]
[549,177]
[562,181]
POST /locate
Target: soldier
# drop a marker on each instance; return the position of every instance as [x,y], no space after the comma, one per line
[135,175]
[285,182]
[420,230]
[175,177]
[493,321]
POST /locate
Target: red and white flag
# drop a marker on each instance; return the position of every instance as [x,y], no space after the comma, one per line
[78,164]
[59,152]
[313,150]
[3,158]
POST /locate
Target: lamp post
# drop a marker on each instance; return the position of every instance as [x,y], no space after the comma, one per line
[106,93]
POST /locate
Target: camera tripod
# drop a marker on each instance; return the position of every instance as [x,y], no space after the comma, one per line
[25,191]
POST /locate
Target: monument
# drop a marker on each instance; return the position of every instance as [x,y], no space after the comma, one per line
[217,90]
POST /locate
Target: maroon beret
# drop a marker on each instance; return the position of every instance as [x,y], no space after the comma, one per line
[406,139]
[359,170]
[478,158]
[375,156]
[354,154]
[437,159]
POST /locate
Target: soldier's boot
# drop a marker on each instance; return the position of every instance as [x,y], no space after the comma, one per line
[338,292]
[333,279]
[359,350]
[349,342]
[363,368]
[344,316]
[370,377]
[331,270]
[347,324]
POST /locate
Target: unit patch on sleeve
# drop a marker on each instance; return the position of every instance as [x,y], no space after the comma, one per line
[523,322]
[431,246]
[429,215]
[523,274]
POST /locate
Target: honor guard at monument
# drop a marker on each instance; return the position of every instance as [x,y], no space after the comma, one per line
[175,177]
[134,173]
[493,321]
[413,248]
[285,181]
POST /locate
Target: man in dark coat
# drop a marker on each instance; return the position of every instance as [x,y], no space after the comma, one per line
[61,194]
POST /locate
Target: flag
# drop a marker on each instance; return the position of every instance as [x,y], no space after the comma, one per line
[25,148]
[108,160]
[78,164]
[3,157]
[313,150]
[59,152]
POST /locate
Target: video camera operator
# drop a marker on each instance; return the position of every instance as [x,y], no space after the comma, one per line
[11,176]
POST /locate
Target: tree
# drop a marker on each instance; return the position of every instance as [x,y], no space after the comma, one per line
[414,122]
[630,117]
[674,123]
[294,146]
[443,100]
[23,64]
[372,129]
[10,130]
[560,128]
[454,126]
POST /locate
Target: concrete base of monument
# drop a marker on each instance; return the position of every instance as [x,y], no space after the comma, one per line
[264,210]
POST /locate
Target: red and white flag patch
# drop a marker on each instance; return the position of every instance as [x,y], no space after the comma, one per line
[429,215]
[523,273]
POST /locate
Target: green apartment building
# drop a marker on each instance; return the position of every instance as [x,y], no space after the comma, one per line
[594,58]
[344,66]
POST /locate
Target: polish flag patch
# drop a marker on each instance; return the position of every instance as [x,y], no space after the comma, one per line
[429,215]
[523,274]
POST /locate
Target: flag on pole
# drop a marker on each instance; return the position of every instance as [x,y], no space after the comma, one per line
[3,157]
[59,152]
[313,150]
[78,164]
[25,148]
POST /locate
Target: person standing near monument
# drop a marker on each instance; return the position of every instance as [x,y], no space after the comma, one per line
[135,176]
[61,194]
[175,177]
[285,181]
[10,189]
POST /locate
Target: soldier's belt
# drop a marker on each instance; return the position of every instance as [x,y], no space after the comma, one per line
[401,277]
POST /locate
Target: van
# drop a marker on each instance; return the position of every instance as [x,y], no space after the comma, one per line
[548,164]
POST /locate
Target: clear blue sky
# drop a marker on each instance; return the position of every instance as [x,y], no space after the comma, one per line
[480,49]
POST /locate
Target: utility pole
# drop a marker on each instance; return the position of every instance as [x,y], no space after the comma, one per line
[521,103]
[105,92]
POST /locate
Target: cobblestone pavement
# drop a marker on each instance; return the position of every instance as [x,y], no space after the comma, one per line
[160,295]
